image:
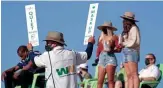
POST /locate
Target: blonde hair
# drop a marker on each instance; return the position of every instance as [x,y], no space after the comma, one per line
[101,37]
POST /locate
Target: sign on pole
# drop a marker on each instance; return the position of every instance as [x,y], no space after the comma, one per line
[91,22]
[32,24]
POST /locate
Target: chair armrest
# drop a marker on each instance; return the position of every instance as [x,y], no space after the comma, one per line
[93,79]
[81,83]
[88,80]
[39,74]
[35,78]
[150,83]
[96,79]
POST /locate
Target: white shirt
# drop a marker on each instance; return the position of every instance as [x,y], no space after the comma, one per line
[133,40]
[64,64]
[151,71]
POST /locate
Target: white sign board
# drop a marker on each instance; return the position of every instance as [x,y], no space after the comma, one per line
[91,22]
[32,25]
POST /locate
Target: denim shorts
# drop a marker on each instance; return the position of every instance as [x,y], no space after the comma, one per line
[130,55]
[107,59]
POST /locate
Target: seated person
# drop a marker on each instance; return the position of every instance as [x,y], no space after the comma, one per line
[150,73]
[83,73]
[16,75]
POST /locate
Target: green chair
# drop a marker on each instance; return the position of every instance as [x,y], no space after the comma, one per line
[35,79]
[35,76]
[18,87]
[154,84]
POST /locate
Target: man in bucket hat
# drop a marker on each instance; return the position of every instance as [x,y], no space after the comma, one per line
[61,63]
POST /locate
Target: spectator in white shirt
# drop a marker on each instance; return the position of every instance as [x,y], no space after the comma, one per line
[151,72]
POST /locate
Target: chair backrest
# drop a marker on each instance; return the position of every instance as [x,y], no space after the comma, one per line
[160,66]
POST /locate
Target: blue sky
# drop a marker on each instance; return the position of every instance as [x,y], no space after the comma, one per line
[71,18]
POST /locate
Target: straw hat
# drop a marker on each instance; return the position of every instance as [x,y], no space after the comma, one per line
[107,25]
[130,16]
[55,36]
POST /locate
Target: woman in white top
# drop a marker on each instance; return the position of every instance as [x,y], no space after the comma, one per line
[131,47]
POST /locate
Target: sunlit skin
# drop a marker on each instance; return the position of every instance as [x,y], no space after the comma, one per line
[110,69]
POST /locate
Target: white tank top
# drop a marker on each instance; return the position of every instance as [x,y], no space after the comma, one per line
[106,46]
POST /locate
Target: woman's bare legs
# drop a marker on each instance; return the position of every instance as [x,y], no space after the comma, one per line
[134,74]
[110,69]
[128,74]
[101,76]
